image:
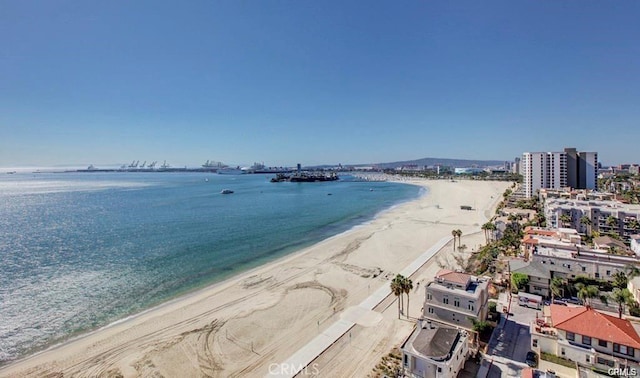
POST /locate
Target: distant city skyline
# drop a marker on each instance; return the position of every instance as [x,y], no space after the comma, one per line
[106,83]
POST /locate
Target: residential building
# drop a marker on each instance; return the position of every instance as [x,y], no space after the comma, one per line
[434,350]
[588,216]
[556,170]
[558,253]
[634,169]
[455,298]
[515,168]
[634,287]
[543,170]
[587,337]
[575,194]
[635,244]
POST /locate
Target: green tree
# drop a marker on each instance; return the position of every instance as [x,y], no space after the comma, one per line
[564,219]
[585,220]
[397,289]
[622,297]
[587,293]
[519,281]
[612,222]
[459,235]
[556,287]
[620,280]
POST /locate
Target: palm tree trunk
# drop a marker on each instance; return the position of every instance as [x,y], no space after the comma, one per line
[409,307]
[398,307]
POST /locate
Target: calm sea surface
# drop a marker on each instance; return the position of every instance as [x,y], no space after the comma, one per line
[81,250]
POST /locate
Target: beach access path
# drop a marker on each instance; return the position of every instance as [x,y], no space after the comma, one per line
[303,358]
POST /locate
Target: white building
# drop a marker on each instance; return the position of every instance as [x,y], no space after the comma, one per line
[602,216]
[455,298]
[543,170]
[556,170]
[635,244]
[586,337]
[434,350]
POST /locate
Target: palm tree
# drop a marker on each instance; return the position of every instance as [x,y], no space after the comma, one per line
[397,289]
[612,222]
[564,219]
[488,229]
[587,293]
[585,220]
[634,224]
[407,286]
[454,233]
[459,234]
[556,287]
[622,297]
[485,228]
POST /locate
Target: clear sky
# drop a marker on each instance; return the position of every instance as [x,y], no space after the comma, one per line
[107,82]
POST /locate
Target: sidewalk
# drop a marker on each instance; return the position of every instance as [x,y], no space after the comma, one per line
[303,357]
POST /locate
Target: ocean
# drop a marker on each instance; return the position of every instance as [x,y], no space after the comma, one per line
[79,251]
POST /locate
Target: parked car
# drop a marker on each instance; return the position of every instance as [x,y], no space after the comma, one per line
[532,359]
[574,300]
[560,302]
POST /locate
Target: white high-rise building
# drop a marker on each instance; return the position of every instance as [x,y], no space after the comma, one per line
[543,170]
[556,170]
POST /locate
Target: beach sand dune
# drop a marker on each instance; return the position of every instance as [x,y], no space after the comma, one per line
[242,326]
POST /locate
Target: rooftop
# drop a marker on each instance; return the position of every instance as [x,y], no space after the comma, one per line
[433,340]
[458,278]
[589,322]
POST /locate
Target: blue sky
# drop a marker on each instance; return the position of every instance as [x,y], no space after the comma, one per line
[107,82]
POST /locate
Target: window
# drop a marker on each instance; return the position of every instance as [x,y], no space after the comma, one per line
[603,343]
[584,268]
[431,310]
[587,358]
[439,370]
[456,302]
[562,351]
[571,336]
[568,266]
[586,340]
[623,349]
[534,343]
[445,300]
[602,361]
[608,272]
[472,306]
[429,296]
[597,275]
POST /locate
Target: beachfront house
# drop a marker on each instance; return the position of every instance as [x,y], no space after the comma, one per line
[586,337]
[434,350]
[456,299]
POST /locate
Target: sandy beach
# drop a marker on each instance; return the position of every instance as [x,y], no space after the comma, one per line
[242,326]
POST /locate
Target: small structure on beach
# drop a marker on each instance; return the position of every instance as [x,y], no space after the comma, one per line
[465,207]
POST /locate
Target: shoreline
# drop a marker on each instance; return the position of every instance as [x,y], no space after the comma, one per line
[59,358]
[242,274]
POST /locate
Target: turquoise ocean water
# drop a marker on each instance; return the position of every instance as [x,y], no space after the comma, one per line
[81,250]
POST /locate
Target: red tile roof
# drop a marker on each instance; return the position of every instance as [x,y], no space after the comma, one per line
[455,277]
[588,322]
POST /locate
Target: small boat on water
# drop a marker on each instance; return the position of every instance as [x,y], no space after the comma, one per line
[226,191]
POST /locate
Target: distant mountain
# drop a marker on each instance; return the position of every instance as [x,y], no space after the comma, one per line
[455,163]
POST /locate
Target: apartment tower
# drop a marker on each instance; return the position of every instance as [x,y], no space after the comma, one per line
[557,170]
